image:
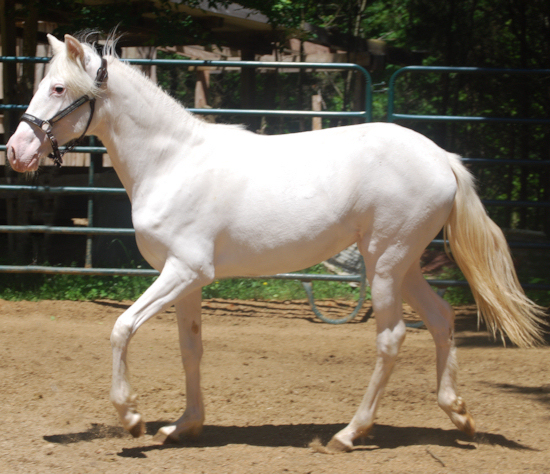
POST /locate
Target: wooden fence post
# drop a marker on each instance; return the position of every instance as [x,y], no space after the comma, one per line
[316,103]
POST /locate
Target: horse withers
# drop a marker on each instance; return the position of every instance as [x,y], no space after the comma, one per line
[213,201]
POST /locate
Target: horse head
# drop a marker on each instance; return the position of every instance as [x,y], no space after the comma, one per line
[56,114]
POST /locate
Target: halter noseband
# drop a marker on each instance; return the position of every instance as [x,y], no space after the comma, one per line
[47,125]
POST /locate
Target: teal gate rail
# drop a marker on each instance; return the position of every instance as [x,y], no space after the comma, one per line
[365,115]
[91,190]
[394,116]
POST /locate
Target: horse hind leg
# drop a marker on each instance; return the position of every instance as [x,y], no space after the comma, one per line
[388,311]
[438,316]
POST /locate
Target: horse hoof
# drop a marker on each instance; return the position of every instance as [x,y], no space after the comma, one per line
[163,437]
[336,446]
[462,419]
[468,426]
[137,430]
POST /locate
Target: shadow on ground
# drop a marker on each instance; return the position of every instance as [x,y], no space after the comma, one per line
[539,393]
[298,436]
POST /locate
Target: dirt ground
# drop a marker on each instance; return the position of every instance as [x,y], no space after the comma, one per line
[274,378]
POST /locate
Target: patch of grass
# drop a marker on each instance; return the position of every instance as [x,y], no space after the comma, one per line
[72,287]
[34,287]
[279,289]
[541,297]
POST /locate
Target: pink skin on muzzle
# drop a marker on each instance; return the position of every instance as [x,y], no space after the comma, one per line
[25,148]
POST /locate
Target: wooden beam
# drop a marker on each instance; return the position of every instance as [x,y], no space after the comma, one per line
[201,89]
[316,104]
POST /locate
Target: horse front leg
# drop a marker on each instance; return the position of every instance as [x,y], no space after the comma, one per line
[173,283]
[188,312]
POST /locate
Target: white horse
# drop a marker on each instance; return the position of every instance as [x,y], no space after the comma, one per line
[213,201]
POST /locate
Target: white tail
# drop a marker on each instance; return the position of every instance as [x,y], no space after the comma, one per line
[480,249]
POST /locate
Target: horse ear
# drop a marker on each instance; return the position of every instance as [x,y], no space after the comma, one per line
[56,45]
[75,51]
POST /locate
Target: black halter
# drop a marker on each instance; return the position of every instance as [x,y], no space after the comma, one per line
[46,125]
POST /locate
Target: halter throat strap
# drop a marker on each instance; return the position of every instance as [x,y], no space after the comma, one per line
[47,125]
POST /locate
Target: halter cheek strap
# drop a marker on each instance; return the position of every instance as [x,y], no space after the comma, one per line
[47,125]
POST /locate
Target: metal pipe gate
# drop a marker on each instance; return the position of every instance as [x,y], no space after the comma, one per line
[395,116]
[365,115]
[90,231]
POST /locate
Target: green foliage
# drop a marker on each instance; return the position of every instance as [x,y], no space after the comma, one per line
[167,23]
[274,91]
[459,295]
[541,297]
[278,289]
[72,287]
[456,295]
[478,33]
[118,288]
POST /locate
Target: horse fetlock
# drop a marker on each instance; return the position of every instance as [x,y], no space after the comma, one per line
[459,406]
[130,418]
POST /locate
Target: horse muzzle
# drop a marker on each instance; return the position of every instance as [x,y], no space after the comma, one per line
[23,154]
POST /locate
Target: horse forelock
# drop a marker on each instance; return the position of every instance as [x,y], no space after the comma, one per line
[76,81]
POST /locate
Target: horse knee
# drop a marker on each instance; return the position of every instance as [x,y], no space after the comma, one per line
[191,356]
[389,340]
[121,333]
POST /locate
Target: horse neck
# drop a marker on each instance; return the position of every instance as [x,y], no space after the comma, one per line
[144,130]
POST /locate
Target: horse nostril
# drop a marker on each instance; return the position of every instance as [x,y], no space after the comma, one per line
[11,153]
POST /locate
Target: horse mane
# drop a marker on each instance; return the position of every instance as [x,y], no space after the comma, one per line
[83,84]
[89,37]
[164,100]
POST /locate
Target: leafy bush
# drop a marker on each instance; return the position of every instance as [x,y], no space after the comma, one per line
[72,287]
[83,287]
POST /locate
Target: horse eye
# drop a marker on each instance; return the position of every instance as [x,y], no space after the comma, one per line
[59,89]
